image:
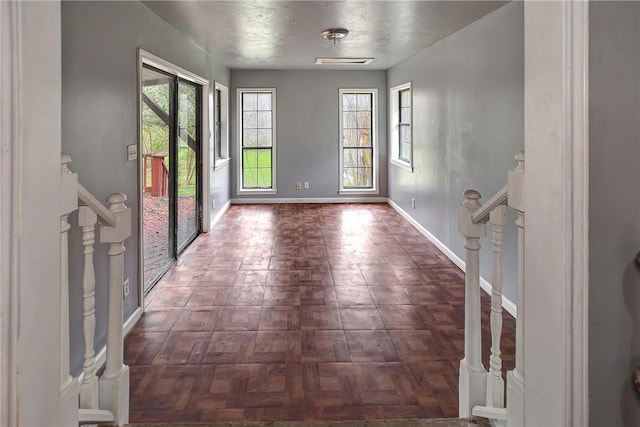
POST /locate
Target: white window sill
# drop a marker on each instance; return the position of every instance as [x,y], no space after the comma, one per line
[256,192]
[357,191]
[220,163]
[402,164]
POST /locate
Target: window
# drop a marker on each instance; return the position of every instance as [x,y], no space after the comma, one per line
[358,142]
[221,125]
[401,135]
[256,137]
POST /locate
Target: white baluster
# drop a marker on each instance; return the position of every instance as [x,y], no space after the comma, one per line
[515,378]
[114,384]
[67,386]
[473,376]
[89,390]
[495,382]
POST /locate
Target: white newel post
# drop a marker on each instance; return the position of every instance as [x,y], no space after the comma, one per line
[515,378]
[68,204]
[114,383]
[89,389]
[473,376]
[495,382]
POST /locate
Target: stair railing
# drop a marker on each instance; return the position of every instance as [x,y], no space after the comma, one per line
[104,399]
[481,392]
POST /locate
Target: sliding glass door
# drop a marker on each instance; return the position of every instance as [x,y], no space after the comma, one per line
[171,171]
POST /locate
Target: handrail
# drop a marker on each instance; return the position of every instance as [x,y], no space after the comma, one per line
[95,205]
[500,198]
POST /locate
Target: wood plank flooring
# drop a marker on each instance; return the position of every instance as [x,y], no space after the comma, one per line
[304,312]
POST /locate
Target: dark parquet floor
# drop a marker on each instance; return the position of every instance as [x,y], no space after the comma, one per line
[304,312]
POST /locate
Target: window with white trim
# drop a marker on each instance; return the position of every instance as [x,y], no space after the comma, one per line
[400,129]
[221,125]
[358,141]
[256,140]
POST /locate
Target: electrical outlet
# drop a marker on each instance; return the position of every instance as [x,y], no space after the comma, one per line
[213,203]
[298,186]
[125,289]
[306,185]
[413,203]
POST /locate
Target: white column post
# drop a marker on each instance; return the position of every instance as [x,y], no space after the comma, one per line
[515,378]
[114,384]
[68,204]
[89,389]
[473,376]
[495,382]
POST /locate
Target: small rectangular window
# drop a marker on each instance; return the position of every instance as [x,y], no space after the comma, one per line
[221,125]
[256,113]
[401,135]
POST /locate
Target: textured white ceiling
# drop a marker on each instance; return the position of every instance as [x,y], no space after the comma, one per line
[286,34]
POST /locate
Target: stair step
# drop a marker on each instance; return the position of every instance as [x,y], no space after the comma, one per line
[95,416]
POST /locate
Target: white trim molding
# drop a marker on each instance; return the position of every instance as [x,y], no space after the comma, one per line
[252,200]
[556,58]
[10,191]
[507,304]
[217,216]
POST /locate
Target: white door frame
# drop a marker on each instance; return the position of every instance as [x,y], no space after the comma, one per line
[206,148]
[556,222]
[9,190]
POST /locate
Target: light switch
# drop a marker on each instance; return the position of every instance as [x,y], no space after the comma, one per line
[132,152]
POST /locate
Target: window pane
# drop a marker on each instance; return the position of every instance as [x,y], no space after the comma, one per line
[264,159]
[264,119]
[405,98]
[349,102]
[350,138]
[364,158]
[350,158]
[405,134]
[364,102]
[250,158]
[365,177]
[349,177]
[365,141]
[249,137]
[405,151]
[264,177]
[249,101]
[349,120]
[405,115]
[249,120]
[264,137]
[264,101]
[364,120]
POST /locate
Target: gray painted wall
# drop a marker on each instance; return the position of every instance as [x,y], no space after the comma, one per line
[614,212]
[307,127]
[100,118]
[468,122]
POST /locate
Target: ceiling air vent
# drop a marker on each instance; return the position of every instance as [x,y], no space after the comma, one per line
[344,61]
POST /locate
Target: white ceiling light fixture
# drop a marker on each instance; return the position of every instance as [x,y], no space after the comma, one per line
[335,34]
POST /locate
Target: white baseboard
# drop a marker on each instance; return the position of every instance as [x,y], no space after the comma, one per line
[266,200]
[101,355]
[507,304]
[216,218]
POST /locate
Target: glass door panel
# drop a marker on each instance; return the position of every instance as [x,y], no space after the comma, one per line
[188,164]
[157,133]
